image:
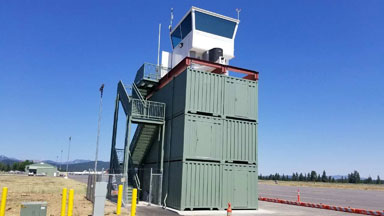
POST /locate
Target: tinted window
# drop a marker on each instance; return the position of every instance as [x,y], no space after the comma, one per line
[186,26]
[176,36]
[182,30]
[214,25]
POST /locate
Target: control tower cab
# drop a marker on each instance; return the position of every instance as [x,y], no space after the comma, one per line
[203,35]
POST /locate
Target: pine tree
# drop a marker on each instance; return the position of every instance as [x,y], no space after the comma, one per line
[301,177]
[378,180]
[324,177]
[369,180]
[313,175]
[294,177]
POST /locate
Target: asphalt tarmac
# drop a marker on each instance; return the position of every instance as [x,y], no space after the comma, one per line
[365,199]
[370,200]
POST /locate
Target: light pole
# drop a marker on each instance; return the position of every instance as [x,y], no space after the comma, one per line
[98,125]
[69,148]
[61,159]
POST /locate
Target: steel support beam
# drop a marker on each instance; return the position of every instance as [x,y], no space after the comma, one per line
[126,158]
[113,147]
[162,131]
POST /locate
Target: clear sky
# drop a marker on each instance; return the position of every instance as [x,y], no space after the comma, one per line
[321,64]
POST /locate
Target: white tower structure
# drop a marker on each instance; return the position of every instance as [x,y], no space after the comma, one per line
[204,35]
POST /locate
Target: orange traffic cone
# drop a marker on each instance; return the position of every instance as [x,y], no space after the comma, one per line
[298,194]
[229,210]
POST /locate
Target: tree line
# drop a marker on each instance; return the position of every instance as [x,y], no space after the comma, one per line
[353,177]
[17,166]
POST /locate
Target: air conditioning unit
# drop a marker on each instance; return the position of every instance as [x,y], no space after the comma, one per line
[33,209]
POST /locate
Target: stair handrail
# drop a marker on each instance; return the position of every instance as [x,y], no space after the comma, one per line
[138,93]
[136,177]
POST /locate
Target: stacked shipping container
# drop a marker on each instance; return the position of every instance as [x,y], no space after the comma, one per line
[210,141]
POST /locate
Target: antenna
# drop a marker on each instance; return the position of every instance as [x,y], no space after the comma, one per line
[158,47]
[170,25]
[238,10]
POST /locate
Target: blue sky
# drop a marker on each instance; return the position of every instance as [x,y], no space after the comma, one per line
[321,66]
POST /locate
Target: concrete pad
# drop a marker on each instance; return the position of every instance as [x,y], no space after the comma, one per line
[266,208]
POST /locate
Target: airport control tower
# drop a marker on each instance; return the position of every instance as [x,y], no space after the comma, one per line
[196,119]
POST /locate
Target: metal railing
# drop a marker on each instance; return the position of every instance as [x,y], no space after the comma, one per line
[150,72]
[150,110]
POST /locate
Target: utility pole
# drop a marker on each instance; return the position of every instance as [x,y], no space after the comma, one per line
[69,148]
[98,125]
[158,48]
[61,158]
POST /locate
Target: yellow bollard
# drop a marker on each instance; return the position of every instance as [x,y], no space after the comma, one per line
[70,202]
[133,202]
[63,202]
[3,201]
[119,199]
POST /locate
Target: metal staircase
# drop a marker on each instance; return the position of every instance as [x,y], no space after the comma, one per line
[149,117]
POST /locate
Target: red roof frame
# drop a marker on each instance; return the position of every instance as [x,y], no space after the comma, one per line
[220,69]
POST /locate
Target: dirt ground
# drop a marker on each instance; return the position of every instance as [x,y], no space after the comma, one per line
[374,187]
[29,188]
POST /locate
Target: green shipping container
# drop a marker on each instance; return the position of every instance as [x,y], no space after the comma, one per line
[241,98]
[198,92]
[239,141]
[194,185]
[207,138]
[207,93]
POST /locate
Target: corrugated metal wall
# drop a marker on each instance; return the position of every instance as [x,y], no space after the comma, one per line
[239,141]
[201,186]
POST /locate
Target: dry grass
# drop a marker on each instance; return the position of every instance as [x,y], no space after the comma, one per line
[326,185]
[28,188]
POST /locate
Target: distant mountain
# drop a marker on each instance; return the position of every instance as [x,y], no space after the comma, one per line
[339,176]
[79,167]
[77,161]
[6,160]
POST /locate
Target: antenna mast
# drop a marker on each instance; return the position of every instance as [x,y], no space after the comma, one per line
[158,47]
[238,10]
[170,25]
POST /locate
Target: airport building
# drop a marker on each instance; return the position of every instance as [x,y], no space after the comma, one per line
[41,169]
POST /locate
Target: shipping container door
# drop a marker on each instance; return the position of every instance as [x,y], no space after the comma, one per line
[202,140]
[241,100]
[240,190]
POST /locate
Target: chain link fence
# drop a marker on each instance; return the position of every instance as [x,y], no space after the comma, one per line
[148,180]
